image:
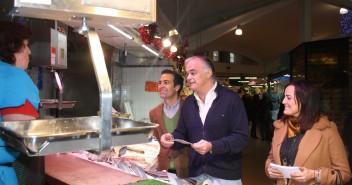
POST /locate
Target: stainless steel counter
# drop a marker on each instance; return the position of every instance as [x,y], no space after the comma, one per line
[50,136]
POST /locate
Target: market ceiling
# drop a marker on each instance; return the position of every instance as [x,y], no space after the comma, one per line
[270,27]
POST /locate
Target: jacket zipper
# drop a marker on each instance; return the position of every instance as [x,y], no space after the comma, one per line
[203,155]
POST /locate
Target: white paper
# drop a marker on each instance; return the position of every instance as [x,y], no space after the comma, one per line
[285,170]
[183,141]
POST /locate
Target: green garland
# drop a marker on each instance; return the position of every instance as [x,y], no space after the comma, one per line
[148,182]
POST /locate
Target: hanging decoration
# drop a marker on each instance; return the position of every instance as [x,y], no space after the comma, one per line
[158,44]
[148,36]
[169,54]
[147,33]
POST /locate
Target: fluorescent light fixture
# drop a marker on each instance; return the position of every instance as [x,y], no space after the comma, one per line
[256,86]
[120,31]
[235,78]
[58,81]
[243,81]
[150,50]
[250,78]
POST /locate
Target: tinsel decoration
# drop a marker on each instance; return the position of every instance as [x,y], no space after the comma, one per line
[147,35]
[148,32]
[158,44]
[169,54]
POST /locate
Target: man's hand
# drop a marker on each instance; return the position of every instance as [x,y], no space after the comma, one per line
[167,140]
[202,147]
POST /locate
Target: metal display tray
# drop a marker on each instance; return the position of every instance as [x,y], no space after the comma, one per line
[50,136]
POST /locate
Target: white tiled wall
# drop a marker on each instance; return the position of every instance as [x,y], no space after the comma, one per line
[133,85]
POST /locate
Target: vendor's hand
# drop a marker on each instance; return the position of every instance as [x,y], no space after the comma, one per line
[275,173]
[167,140]
[304,175]
[202,146]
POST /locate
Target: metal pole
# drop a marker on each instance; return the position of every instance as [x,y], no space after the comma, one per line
[105,92]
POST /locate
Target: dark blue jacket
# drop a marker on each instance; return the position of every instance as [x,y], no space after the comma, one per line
[226,127]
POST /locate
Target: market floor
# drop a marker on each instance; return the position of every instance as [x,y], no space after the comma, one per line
[254,156]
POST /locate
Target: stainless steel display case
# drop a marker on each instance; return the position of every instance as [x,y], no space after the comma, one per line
[50,136]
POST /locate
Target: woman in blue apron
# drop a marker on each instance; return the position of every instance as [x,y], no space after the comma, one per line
[19,97]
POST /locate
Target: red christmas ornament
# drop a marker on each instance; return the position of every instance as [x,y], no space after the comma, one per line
[147,33]
[158,44]
[143,31]
[169,54]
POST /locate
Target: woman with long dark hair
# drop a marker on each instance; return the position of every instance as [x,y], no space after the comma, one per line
[305,138]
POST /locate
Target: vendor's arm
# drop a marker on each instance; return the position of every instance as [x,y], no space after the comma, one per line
[17,117]
[24,112]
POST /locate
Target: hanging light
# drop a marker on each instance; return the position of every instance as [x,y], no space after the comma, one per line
[166,42]
[343,11]
[238,30]
[83,30]
[173,49]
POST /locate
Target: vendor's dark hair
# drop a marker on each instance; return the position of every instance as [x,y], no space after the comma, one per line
[12,35]
[178,79]
[308,99]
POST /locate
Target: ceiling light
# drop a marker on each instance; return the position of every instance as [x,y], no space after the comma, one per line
[84,28]
[120,31]
[250,77]
[173,49]
[173,32]
[150,50]
[252,83]
[166,42]
[238,30]
[235,78]
[343,11]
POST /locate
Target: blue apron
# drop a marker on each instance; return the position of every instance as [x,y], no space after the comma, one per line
[15,88]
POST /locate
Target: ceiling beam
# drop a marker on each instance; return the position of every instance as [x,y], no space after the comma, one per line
[340,3]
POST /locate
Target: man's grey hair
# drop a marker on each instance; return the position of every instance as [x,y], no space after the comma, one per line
[207,63]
